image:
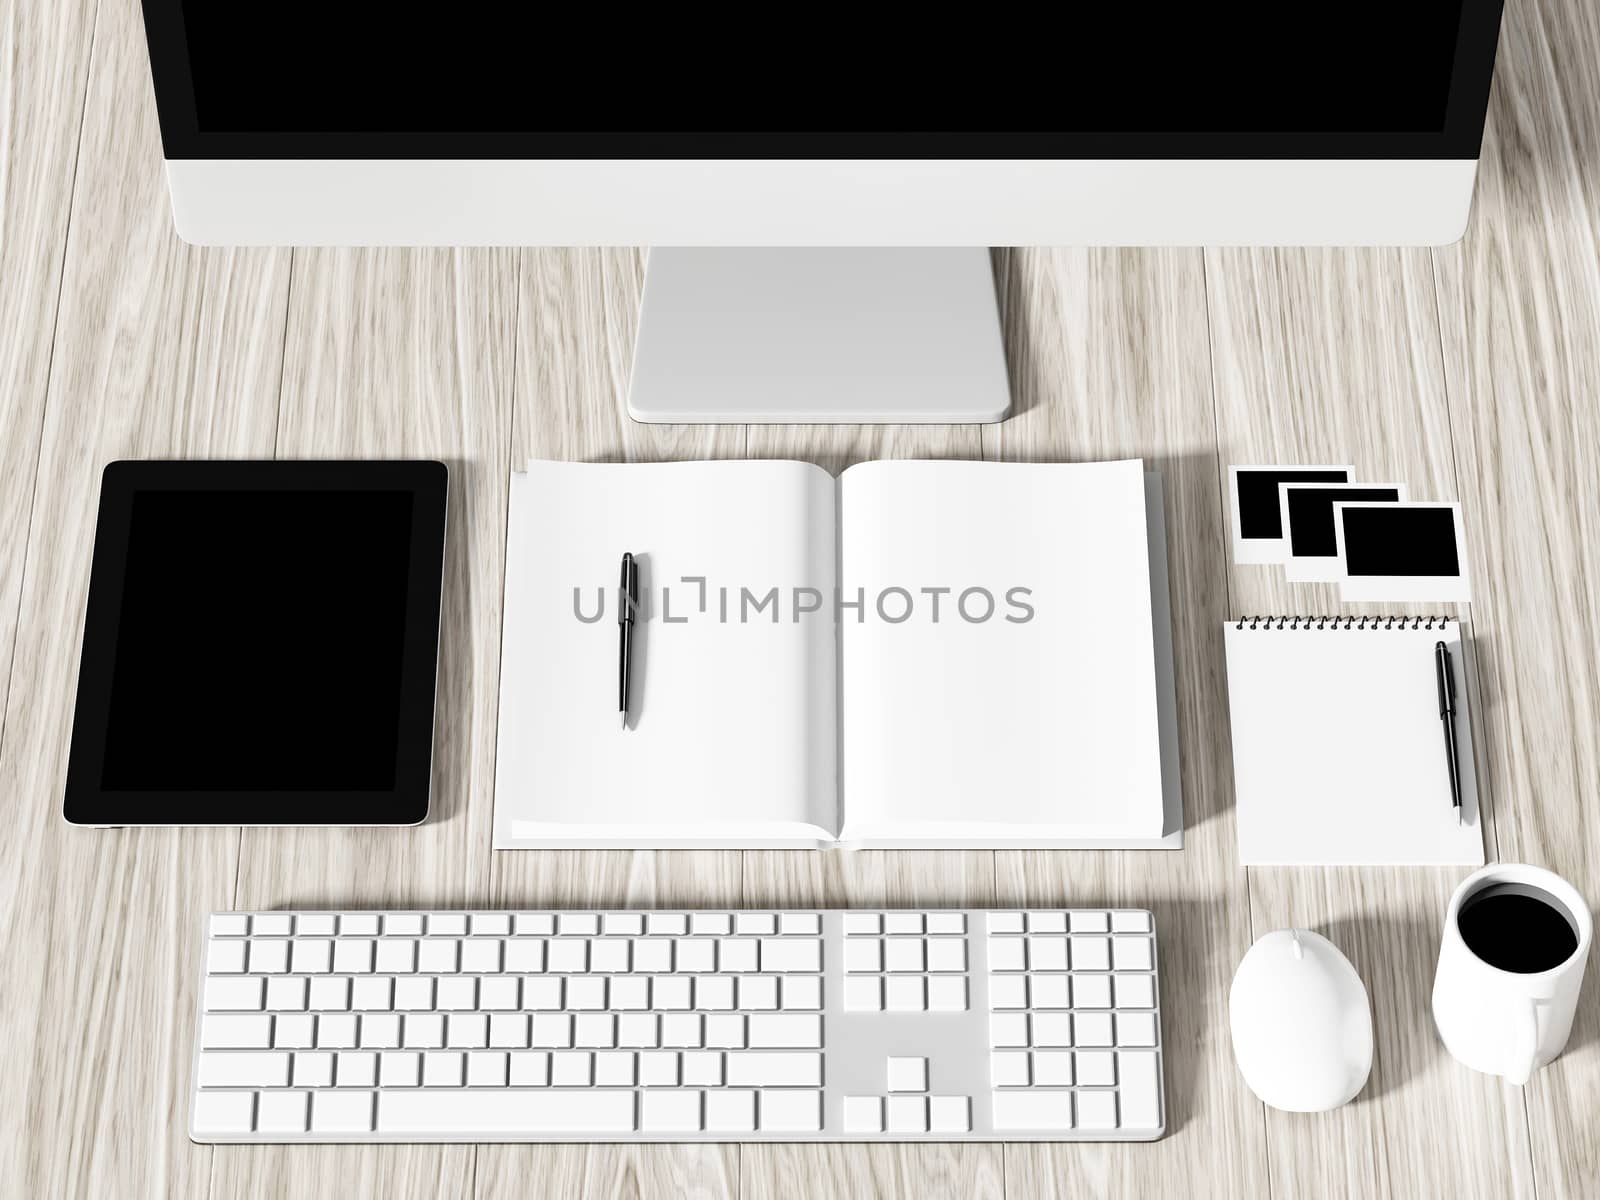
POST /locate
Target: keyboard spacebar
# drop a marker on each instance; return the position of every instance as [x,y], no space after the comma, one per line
[493,1110]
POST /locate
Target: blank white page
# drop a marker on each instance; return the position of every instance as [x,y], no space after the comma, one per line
[1338,749]
[732,738]
[981,732]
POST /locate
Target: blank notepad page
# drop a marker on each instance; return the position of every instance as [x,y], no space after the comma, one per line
[1338,750]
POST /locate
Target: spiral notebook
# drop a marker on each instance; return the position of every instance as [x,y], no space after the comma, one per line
[1339,755]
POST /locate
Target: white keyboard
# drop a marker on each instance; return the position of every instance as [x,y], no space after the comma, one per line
[679,1026]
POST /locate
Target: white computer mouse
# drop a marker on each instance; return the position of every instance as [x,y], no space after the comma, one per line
[1302,1027]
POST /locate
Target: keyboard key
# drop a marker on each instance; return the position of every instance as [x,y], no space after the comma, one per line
[805,924]
[286,993]
[638,1030]
[239,994]
[552,1029]
[337,1030]
[863,954]
[755,991]
[949,1114]
[272,924]
[754,1068]
[229,924]
[791,1030]
[534,924]
[524,955]
[438,956]
[790,1112]
[725,1031]
[1047,953]
[701,1068]
[486,1068]
[269,956]
[947,954]
[671,1111]
[541,992]
[312,956]
[905,993]
[380,1031]
[947,993]
[711,923]
[224,1112]
[791,954]
[353,957]
[710,991]
[466,1031]
[737,954]
[1050,991]
[1141,1090]
[1052,1029]
[863,1114]
[1009,1068]
[801,991]
[608,954]
[696,954]
[236,1031]
[666,923]
[1005,922]
[681,1029]
[658,1068]
[343,1112]
[1097,1110]
[614,1068]
[1007,954]
[1044,1111]
[596,1030]
[283,1112]
[358,1068]
[589,992]
[426,1031]
[359,924]
[626,924]
[755,923]
[1088,922]
[730,1111]
[451,925]
[1009,991]
[633,992]
[1091,991]
[1053,921]
[480,956]
[903,954]
[400,1068]
[947,923]
[413,993]
[402,924]
[652,954]
[531,1069]
[1095,1068]
[486,1113]
[294,1030]
[1091,954]
[235,1069]
[1130,922]
[907,1074]
[457,994]
[498,993]
[1135,991]
[1093,1029]
[908,1114]
[226,957]
[862,922]
[1131,954]
[1136,1029]
[568,955]
[863,993]
[902,922]
[446,1068]
[570,1068]
[509,1030]
[584,924]
[372,993]
[490,924]
[1052,1068]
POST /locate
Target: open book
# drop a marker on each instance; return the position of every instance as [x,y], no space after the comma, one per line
[916,654]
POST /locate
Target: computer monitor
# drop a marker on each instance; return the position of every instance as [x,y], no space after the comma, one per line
[347,122]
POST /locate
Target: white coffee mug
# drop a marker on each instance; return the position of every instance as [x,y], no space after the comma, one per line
[1506,1022]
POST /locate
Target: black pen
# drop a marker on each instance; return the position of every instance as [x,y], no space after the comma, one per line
[627,607]
[1447,714]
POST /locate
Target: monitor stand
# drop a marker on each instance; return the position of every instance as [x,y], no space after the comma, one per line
[821,336]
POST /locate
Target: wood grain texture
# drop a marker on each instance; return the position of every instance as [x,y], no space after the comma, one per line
[1470,372]
[1333,356]
[161,351]
[1519,299]
[44,60]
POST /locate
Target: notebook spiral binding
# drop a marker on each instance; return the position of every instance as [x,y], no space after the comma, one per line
[1333,622]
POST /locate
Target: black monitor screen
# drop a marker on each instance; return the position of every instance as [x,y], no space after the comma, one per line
[347,77]
[260,642]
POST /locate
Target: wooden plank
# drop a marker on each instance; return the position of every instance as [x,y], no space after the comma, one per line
[161,350]
[45,49]
[578,313]
[1520,305]
[1108,356]
[401,353]
[1333,356]
[960,1171]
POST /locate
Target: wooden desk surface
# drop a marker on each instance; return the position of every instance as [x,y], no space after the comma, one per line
[1471,372]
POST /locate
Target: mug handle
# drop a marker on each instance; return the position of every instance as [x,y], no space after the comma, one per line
[1524,1044]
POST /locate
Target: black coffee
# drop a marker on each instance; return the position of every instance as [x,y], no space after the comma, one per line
[1517,928]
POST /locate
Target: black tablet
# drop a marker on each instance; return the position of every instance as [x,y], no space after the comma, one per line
[261,645]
